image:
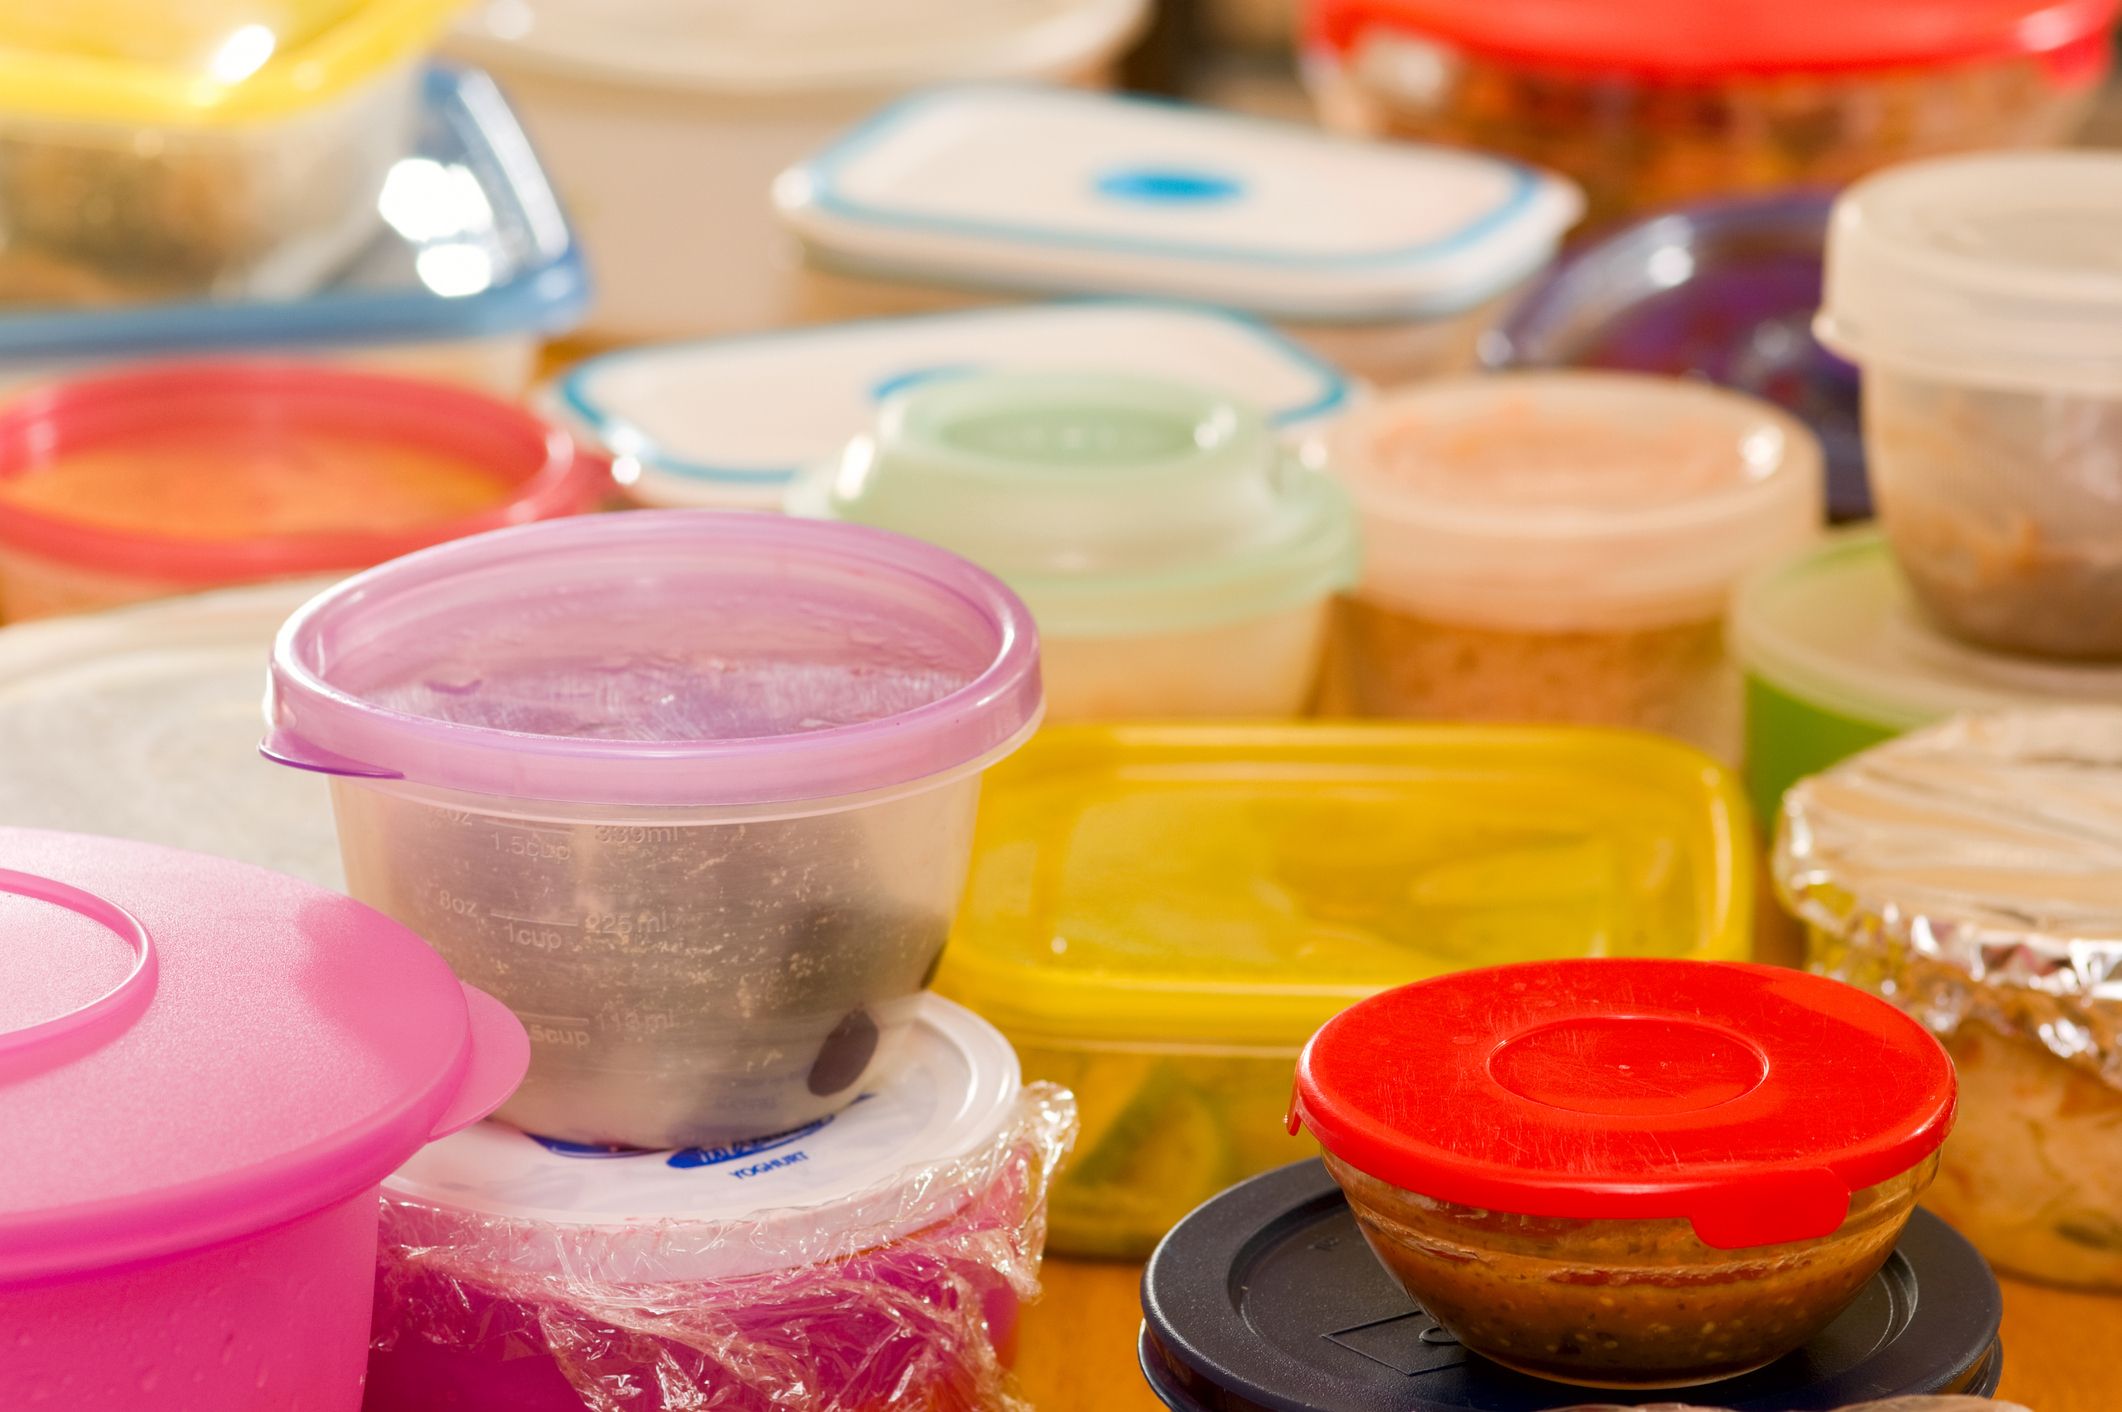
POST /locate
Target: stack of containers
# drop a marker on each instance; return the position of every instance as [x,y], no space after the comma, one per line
[693,793]
[1389,262]
[665,121]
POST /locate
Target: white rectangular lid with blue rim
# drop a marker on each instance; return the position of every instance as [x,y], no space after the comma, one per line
[1065,191]
[731,421]
[475,244]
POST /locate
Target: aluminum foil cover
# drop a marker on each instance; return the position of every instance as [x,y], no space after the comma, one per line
[1973,871]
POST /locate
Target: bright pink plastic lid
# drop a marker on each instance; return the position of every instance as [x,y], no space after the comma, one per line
[256,404]
[193,1049]
[1706,38]
[659,657]
[1749,1100]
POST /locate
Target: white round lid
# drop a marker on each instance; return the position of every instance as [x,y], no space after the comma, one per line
[769,1203]
[731,422]
[1999,269]
[1838,627]
[143,723]
[769,47]
[1065,191]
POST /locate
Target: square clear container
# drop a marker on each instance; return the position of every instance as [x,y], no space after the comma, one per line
[1159,916]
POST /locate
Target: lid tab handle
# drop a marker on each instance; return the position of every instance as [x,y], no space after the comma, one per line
[283,747]
[500,1057]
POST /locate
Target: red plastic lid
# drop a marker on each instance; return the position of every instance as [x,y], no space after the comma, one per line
[1750,1100]
[1702,38]
[259,405]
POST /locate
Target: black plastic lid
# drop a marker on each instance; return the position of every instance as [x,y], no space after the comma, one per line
[1266,1297]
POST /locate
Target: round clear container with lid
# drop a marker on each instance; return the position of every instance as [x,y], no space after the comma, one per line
[690,791]
[1652,102]
[1982,297]
[1561,547]
[1178,558]
[1969,873]
[1627,1172]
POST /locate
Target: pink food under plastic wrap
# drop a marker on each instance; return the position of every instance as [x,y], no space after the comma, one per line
[909,1303]
[1892,1404]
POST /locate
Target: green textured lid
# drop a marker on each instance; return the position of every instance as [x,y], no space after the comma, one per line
[1116,506]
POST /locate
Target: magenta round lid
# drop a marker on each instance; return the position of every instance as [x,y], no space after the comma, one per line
[194,1049]
[673,657]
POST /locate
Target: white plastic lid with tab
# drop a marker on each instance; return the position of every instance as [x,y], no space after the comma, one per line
[730,422]
[629,1216]
[1070,192]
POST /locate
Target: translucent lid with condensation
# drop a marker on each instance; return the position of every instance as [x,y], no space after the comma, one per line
[1573,501]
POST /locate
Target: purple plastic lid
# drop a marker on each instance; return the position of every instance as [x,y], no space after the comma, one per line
[673,657]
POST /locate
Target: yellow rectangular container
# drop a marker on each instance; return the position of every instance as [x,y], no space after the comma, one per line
[1160,915]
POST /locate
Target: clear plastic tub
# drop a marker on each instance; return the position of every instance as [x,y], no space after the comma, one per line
[164,480]
[223,148]
[1653,102]
[965,196]
[1159,916]
[1178,559]
[1561,547]
[691,791]
[1967,872]
[1628,1173]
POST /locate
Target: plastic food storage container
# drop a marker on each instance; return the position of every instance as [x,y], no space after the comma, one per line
[664,121]
[1838,656]
[231,148]
[1561,547]
[1178,559]
[208,1069]
[1650,102]
[474,265]
[1967,872]
[1978,295]
[1723,291]
[729,423]
[869,1259]
[142,723]
[692,792]
[967,195]
[1628,1172]
[1160,916]
[162,480]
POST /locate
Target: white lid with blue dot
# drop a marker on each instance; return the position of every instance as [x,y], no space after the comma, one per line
[1064,191]
[730,422]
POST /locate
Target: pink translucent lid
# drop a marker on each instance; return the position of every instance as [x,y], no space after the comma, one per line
[193,1049]
[676,657]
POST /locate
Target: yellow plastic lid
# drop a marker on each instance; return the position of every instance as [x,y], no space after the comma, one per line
[1241,884]
[202,63]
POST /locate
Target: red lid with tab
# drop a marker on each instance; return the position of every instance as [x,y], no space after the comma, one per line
[1749,1100]
[1690,38]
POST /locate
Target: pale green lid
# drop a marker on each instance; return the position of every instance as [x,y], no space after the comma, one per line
[1115,506]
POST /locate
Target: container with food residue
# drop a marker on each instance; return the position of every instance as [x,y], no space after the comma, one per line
[1562,547]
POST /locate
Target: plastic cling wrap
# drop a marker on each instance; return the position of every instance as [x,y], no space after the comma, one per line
[1972,874]
[903,1295]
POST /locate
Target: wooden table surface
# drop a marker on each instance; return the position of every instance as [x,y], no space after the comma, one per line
[1076,1349]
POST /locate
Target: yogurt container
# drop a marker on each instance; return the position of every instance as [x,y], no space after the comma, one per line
[1177,557]
[1628,1172]
[473,266]
[227,148]
[1652,102]
[867,1259]
[1979,296]
[210,1067]
[664,121]
[730,422]
[967,195]
[161,480]
[1838,656]
[1561,547]
[1967,873]
[692,792]
[1160,916]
